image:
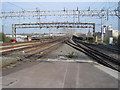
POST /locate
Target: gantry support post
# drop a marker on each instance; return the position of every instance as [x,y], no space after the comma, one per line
[93,29]
[2,28]
[102,29]
[13,31]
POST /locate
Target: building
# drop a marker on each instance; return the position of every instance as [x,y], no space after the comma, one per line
[18,37]
[109,32]
[98,34]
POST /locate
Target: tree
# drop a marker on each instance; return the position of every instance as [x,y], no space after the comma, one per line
[4,38]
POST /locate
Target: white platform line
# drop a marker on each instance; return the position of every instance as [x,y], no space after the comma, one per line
[109,71]
[65,75]
[83,61]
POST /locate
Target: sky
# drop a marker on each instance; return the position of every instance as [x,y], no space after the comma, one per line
[59,0]
[19,6]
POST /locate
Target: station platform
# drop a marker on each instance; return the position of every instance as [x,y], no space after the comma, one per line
[57,71]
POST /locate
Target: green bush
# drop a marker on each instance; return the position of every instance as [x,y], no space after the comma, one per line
[72,55]
[4,38]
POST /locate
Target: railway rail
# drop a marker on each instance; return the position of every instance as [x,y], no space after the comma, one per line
[106,47]
[15,49]
[96,55]
[25,42]
[36,52]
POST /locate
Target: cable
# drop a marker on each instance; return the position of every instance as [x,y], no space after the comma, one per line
[16,6]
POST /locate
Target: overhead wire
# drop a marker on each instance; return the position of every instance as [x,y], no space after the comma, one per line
[16,5]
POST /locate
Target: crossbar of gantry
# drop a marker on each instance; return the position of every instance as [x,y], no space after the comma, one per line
[36,13]
[52,25]
[56,27]
[56,23]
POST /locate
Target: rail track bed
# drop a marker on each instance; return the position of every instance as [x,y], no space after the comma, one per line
[110,48]
[112,51]
[54,71]
[31,53]
[95,54]
[107,52]
[25,42]
[22,47]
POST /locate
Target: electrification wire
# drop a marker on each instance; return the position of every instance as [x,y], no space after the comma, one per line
[16,6]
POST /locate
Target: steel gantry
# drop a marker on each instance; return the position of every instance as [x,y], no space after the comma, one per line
[52,25]
[60,13]
[67,13]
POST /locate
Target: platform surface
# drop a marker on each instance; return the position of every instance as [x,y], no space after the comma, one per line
[55,71]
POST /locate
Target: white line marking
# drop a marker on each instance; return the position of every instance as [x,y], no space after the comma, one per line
[77,78]
[65,75]
[109,71]
[0,83]
[68,60]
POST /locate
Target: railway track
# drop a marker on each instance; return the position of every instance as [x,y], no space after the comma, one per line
[26,47]
[37,52]
[42,39]
[96,55]
[106,47]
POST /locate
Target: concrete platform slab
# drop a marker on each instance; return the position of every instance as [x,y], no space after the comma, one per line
[54,72]
[61,75]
